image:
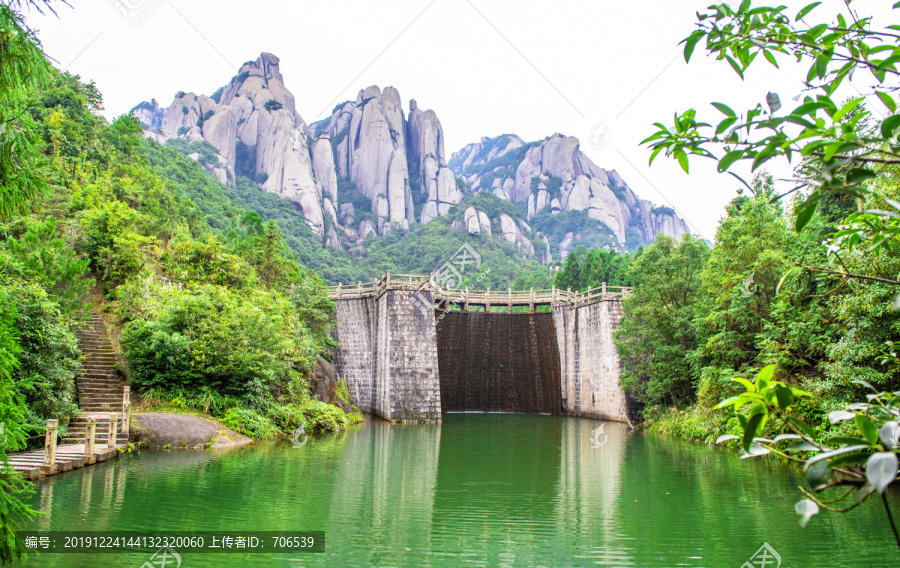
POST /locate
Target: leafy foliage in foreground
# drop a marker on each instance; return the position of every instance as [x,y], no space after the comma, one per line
[830,464]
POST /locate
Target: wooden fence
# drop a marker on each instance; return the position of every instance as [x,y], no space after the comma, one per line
[463,298]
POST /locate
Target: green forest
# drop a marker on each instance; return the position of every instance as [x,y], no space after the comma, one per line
[779,339]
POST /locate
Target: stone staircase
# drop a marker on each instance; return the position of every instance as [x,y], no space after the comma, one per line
[100,390]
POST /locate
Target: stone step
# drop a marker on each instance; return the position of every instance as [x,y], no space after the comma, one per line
[115,395]
[87,397]
[114,404]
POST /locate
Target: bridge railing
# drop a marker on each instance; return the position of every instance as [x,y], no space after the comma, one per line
[486,298]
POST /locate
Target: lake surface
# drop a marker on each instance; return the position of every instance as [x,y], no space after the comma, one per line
[476,490]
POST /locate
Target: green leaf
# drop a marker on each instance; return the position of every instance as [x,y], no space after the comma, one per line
[770,58]
[818,474]
[724,109]
[725,124]
[765,374]
[804,214]
[834,453]
[845,440]
[803,427]
[868,428]
[750,430]
[755,450]
[854,458]
[735,65]
[802,447]
[729,159]
[889,126]
[887,100]
[747,384]
[682,159]
[726,437]
[727,402]
[806,10]
[881,470]
[851,104]
[783,394]
[782,437]
[859,175]
[690,43]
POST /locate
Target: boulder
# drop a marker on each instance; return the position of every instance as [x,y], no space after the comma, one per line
[484,224]
[473,227]
[158,430]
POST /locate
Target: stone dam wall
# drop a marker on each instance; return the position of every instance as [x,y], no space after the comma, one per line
[388,356]
[498,362]
[403,362]
[589,363]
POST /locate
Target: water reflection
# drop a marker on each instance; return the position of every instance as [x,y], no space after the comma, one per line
[477,490]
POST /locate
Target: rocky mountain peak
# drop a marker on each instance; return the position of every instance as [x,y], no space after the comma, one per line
[383,169]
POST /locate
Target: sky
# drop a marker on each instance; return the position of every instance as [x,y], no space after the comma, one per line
[601,70]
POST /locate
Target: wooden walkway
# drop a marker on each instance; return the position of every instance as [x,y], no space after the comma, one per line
[446,298]
[34,464]
[104,400]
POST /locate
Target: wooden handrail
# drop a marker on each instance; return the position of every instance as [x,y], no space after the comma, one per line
[416,282]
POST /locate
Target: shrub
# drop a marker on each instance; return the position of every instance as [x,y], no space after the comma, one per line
[49,355]
[273,105]
[49,261]
[190,261]
[323,417]
[249,422]
[244,344]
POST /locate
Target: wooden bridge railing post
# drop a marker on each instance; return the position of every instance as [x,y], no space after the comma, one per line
[340,289]
[603,289]
[126,411]
[50,442]
[531,301]
[113,427]
[487,301]
[509,300]
[91,435]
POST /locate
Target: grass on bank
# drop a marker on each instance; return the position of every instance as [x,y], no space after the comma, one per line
[278,420]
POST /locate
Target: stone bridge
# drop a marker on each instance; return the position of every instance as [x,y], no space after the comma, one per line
[409,350]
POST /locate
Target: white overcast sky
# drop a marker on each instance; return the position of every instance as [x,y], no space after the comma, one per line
[487,67]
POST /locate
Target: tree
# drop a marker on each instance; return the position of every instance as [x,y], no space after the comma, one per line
[14,490]
[569,276]
[52,263]
[22,67]
[845,151]
[839,156]
[656,337]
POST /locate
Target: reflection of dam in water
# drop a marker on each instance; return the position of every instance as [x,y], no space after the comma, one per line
[496,484]
[476,490]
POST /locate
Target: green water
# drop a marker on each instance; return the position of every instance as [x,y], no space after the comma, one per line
[477,490]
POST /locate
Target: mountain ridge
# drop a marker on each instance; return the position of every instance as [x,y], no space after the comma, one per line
[372,168]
